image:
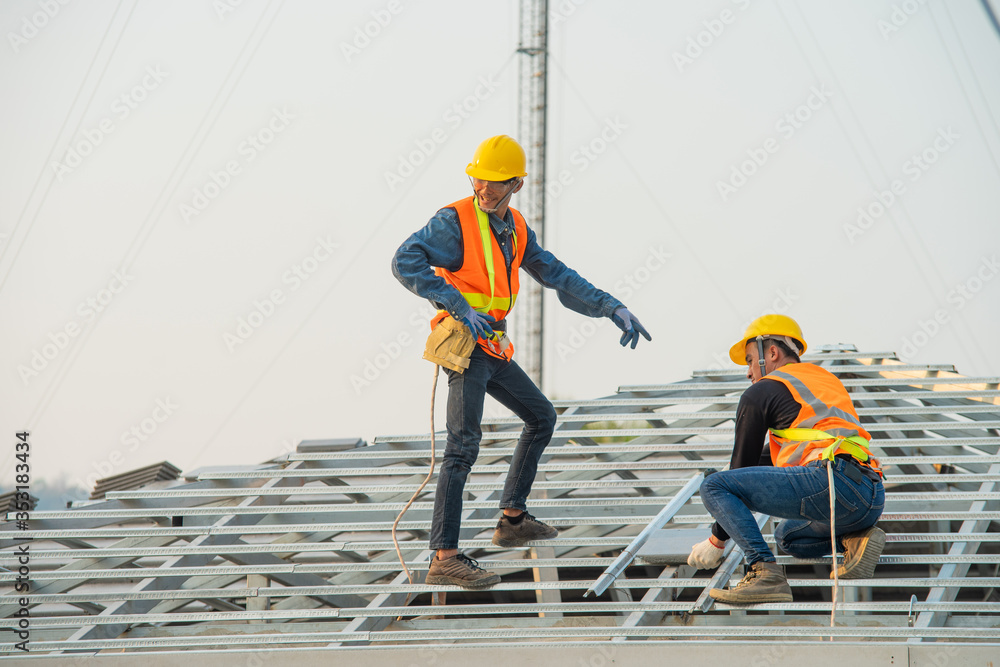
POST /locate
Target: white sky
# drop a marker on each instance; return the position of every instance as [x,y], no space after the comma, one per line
[337,122]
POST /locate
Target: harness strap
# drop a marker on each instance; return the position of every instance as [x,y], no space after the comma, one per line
[848,444]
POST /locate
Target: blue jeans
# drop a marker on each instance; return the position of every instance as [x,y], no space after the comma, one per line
[508,384]
[799,494]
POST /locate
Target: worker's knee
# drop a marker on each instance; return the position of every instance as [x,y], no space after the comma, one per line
[802,539]
[784,543]
[800,549]
[708,485]
[545,421]
[461,456]
[711,491]
[704,491]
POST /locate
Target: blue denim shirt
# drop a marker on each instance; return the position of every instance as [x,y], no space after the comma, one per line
[439,243]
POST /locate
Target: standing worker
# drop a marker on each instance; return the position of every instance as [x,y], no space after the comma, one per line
[810,420]
[477,245]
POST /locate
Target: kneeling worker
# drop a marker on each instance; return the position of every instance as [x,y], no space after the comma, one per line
[809,416]
[466,261]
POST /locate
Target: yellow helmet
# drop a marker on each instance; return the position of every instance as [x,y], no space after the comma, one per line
[773,326]
[497,159]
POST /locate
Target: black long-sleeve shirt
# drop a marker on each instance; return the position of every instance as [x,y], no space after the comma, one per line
[766,404]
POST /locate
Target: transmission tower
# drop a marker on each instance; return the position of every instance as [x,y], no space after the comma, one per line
[532,80]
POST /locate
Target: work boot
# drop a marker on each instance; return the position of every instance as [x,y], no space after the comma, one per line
[526,530]
[861,552]
[765,582]
[460,570]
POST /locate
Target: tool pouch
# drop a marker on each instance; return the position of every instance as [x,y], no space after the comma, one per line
[450,345]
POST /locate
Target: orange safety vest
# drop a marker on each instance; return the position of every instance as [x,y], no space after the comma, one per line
[483,279]
[827,424]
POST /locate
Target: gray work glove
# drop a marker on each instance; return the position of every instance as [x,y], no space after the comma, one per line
[627,322]
[705,556]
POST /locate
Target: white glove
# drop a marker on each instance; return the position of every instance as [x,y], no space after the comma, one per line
[705,556]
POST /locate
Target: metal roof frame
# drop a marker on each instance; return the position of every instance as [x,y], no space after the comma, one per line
[297,549]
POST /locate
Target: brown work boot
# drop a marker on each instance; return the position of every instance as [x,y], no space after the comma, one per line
[861,552]
[460,570]
[527,530]
[765,582]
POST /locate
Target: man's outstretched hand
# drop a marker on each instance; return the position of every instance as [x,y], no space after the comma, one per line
[631,327]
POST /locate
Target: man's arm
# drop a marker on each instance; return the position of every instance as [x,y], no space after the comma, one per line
[438,243]
[574,291]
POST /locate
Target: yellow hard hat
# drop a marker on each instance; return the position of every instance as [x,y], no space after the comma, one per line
[774,326]
[497,159]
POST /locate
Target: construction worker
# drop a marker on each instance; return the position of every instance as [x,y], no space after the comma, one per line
[477,245]
[811,423]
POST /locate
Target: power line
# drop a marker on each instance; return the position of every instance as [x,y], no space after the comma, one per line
[992,15]
[53,151]
[232,79]
[347,269]
[927,258]
[637,177]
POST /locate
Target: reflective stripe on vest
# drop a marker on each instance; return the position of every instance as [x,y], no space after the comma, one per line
[821,409]
[477,278]
[481,302]
[831,429]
